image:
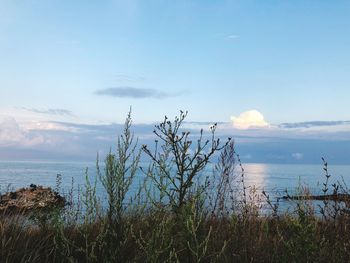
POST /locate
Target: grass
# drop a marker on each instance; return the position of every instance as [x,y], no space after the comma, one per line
[179,214]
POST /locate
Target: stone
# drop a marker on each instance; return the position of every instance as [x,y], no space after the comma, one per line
[30,199]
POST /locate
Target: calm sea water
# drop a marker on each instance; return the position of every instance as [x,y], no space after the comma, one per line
[270,177]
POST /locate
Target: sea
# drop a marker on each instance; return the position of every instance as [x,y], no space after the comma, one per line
[274,179]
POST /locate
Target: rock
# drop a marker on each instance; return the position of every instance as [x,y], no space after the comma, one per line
[30,199]
[331,197]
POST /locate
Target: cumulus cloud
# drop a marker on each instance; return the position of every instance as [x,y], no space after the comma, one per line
[136,93]
[11,134]
[79,141]
[252,119]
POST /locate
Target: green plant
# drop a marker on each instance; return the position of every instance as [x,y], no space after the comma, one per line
[223,190]
[172,223]
[180,160]
[197,237]
[119,172]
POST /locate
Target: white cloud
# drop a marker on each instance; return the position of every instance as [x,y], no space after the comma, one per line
[46,125]
[11,134]
[249,119]
[298,156]
[232,36]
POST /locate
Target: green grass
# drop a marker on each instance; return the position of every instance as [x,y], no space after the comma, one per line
[176,215]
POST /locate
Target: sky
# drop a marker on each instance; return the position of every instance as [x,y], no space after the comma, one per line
[273,74]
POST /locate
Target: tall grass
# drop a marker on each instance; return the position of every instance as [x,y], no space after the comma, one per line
[179,214]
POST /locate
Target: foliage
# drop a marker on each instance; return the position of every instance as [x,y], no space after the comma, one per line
[190,218]
[180,160]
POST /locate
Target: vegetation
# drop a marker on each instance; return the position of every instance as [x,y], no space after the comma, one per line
[182,212]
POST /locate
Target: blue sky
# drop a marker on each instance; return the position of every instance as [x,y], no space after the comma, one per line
[251,65]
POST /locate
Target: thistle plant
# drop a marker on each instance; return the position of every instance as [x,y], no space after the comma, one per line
[180,159]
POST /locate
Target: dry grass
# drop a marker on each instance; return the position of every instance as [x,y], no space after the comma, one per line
[185,221]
